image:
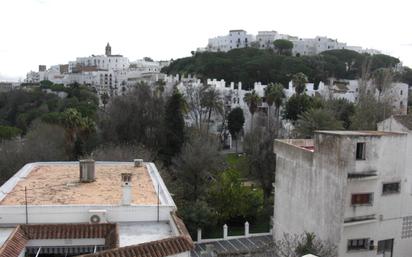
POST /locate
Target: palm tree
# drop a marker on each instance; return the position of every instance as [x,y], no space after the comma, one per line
[252,100]
[274,95]
[212,101]
[160,87]
[299,81]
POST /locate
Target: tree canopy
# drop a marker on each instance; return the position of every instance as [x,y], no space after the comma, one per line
[250,65]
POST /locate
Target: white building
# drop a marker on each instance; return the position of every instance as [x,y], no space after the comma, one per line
[351,187]
[94,209]
[264,39]
[313,46]
[235,39]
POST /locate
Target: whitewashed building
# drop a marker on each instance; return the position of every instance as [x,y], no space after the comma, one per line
[353,188]
[235,39]
[94,209]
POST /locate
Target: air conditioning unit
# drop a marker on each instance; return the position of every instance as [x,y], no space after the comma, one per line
[97,216]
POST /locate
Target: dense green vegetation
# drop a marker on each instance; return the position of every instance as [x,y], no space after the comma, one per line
[249,65]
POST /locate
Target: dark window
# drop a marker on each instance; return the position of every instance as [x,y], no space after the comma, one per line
[360,151]
[401,92]
[358,244]
[391,188]
[362,199]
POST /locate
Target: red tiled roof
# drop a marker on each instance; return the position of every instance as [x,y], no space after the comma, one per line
[15,244]
[159,248]
[18,239]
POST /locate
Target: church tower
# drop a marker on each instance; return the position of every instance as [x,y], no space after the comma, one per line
[108,49]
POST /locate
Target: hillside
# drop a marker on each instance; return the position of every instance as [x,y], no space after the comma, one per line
[250,64]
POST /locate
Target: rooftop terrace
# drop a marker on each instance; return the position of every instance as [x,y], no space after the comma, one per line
[58,184]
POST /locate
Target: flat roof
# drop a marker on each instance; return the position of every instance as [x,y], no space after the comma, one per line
[359,133]
[4,234]
[58,184]
[131,233]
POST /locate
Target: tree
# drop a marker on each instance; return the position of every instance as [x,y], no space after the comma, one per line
[283,46]
[235,123]
[299,81]
[121,152]
[196,215]
[316,119]
[274,94]
[233,201]
[296,105]
[197,163]
[382,79]
[342,109]
[105,99]
[134,118]
[43,142]
[252,100]
[174,126]
[212,102]
[8,132]
[300,245]
[258,146]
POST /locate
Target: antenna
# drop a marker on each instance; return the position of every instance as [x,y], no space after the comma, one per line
[25,198]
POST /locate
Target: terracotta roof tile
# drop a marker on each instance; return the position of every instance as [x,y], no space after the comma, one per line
[159,248]
[15,244]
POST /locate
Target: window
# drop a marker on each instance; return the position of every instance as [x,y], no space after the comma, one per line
[360,151]
[358,244]
[401,92]
[362,199]
[391,188]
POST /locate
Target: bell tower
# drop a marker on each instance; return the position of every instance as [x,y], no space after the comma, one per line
[108,49]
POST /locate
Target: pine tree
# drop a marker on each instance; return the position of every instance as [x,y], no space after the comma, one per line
[174,127]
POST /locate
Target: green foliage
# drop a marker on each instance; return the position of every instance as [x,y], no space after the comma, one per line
[298,245]
[249,65]
[7,132]
[258,146]
[252,100]
[299,81]
[342,110]
[235,121]
[136,118]
[174,125]
[198,162]
[283,46]
[233,201]
[296,105]
[196,215]
[316,119]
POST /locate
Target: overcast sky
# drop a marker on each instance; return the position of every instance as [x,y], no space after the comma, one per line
[50,32]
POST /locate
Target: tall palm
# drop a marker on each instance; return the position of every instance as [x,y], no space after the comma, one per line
[212,102]
[299,81]
[252,100]
[274,94]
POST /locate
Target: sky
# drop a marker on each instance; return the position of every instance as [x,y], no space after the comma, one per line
[49,32]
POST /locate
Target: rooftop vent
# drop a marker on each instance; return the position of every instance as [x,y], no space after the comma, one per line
[138,162]
[127,188]
[86,170]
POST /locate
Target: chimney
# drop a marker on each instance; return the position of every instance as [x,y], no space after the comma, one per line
[127,188]
[86,170]
[138,162]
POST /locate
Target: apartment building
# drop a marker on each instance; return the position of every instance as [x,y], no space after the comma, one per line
[353,188]
[94,209]
[235,39]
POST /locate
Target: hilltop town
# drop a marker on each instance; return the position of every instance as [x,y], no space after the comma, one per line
[266,145]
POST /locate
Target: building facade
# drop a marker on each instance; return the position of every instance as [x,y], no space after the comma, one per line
[235,39]
[353,188]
